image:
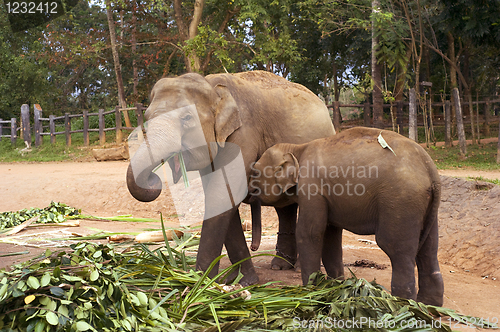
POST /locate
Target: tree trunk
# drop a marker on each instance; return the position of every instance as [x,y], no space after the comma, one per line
[192,60]
[336,90]
[453,76]
[378,101]
[468,93]
[460,125]
[498,144]
[116,60]
[412,124]
[134,52]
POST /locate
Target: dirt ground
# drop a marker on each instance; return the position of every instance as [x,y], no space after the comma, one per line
[469,226]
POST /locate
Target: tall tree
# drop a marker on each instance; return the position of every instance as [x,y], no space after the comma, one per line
[378,100]
[116,60]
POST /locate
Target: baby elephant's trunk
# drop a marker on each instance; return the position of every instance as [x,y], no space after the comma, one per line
[256,224]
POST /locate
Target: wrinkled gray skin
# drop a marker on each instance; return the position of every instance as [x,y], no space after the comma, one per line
[348,181]
[253,110]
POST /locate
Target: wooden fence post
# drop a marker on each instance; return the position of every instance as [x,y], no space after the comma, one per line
[102,125]
[413,134]
[118,120]
[399,116]
[38,127]
[140,114]
[447,124]
[337,117]
[67,128]
[25,123]
[498,144]
[86,140]
[13,131]
[486,127]
[366,115]
[52,127]
[460,122]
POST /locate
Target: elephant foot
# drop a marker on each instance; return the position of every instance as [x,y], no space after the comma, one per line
[431,289]
[280,263]
[249,279]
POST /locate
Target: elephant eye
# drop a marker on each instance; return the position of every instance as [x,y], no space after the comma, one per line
[187,117]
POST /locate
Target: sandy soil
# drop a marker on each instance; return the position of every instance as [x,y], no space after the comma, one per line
[99,189]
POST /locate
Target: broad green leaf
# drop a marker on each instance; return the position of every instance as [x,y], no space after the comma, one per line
[45,279]
[143,298]
[83,326]
[52,318]
[63,310]
[33,282]
[94,275]
[57,291]
[40,326]
[3,290]
[44,300]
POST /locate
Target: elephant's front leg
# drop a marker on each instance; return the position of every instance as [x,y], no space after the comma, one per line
[332,252]
[286,246]
[313,218]
[225,229]
[237,250]
[213,234]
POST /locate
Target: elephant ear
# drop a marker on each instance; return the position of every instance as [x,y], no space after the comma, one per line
[287,172]
[227,115]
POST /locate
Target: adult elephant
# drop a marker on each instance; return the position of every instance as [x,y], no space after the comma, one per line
[251,111]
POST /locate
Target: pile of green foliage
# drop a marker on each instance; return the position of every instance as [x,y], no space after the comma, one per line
[54,213]
[94,287]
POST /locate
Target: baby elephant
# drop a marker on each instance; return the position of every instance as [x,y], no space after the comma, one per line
[368,181]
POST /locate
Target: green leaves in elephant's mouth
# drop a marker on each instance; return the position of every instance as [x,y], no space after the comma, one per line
[179,165]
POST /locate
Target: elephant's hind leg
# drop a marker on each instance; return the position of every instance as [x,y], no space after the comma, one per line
[401,246]
[430,280]
[286,246]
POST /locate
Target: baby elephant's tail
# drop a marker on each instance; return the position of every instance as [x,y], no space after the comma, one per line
[430,280]
[431,217]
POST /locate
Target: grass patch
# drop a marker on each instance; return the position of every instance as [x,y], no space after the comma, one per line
[479,157]
[480,178]
[53,152]
[59,151]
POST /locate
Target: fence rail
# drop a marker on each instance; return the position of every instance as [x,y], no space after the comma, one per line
[12,123]
[40,123]
[400,118]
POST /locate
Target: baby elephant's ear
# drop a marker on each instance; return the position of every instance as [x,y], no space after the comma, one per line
[289,170]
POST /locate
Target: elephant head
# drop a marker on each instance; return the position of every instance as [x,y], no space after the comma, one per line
[187,115]
[274,176]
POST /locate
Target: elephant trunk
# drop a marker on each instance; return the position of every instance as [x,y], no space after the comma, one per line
[256,224]
[146,188]
[163,141]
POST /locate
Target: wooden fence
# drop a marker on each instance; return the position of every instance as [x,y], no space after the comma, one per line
[400,118]
[12,123]
[39,120]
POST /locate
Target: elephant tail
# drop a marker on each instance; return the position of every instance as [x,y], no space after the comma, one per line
[431,216]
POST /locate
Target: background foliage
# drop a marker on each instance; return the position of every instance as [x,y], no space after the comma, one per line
[67,65]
